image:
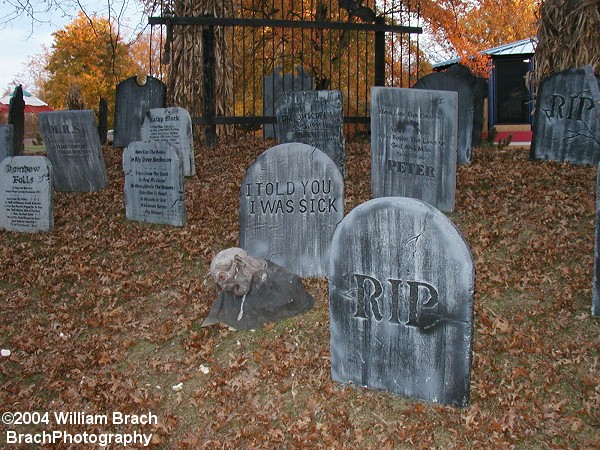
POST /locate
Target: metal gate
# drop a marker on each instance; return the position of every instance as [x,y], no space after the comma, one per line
[223,54]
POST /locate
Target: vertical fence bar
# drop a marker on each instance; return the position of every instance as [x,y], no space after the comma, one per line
[379,54]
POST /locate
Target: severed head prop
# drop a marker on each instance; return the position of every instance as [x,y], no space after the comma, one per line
[232,270]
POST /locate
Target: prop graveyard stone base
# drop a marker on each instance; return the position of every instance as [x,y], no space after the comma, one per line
[255,292]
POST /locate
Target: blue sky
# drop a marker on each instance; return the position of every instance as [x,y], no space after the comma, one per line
[19,40]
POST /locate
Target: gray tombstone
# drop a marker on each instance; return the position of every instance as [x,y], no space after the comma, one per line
[566,127]
[132,100]
[291,199]
[596,280]
[479,87]
[26,194]
[6,141]
[440,81]
[401,281]
[274,86]
[413,145]
[173,125]
[154,189]
[73,147]
[315,118]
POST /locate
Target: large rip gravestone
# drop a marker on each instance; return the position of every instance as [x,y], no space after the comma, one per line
[154,183]
[26,194]
[596,280]
[132,100]
[566,127]
[413,145]
[73,147]
[440,81]
[315,118]
[6,141]
[173,125]
[291,199]
[274,86]
[401,281]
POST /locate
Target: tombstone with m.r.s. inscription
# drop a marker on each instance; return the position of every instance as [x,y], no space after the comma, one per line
[401,281]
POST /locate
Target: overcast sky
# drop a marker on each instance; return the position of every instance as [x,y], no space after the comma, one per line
[19,40]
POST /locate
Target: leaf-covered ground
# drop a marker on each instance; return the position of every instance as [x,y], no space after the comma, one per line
[102,314]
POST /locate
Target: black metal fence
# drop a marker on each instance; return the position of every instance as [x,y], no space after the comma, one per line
[223,55]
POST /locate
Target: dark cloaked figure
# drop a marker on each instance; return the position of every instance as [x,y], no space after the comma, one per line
[254,292]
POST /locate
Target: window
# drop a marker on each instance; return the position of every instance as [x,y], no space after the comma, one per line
[512,105]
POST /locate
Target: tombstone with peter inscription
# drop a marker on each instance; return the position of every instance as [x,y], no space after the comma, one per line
[566,127]
[401,280]
[74,149]
[26,194]
[291,200]
[154,183]
[441,81]
[315,118]
[6,141]
[274,86]
[413,145]
[173,125]
[132,99]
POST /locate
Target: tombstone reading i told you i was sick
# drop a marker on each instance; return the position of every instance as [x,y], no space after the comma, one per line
[154,189]
[315,118]
[132,100]
[566,127]
[26,194]
[73,148]
[291,199]
[413,145]
[173,125]
[401,281]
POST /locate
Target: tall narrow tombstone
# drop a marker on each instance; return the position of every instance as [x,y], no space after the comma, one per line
[173,125]
[102,120]
[566,126]
[274,86]
[440,81]
[73,147]
[413,145]
[16,117]
[132,100]
[291,200]
[401,281]
[154,183]
[6,141]
[26,194]
[315,118]
[596,279]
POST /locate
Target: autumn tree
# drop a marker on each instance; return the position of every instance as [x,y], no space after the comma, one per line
[466,27]
[88,54]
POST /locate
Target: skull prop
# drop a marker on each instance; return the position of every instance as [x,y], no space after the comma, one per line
[232,270]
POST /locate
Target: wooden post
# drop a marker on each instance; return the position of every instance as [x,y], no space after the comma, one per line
[209,97]
[379,53]
[16,117]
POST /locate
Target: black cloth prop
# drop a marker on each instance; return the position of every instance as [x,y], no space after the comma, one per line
[275,295]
